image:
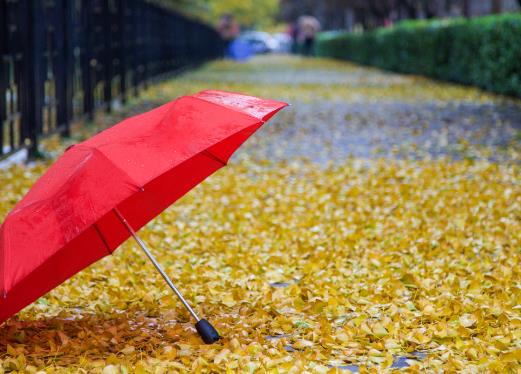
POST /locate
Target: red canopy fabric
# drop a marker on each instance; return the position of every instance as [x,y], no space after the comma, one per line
[140,166]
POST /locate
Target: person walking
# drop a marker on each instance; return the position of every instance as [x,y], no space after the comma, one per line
[308,27]
[293,33]
[229,30]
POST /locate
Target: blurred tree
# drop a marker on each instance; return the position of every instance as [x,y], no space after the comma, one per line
[249,13]
[193,8]
[337,14]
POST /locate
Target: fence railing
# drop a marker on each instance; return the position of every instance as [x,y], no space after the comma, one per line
[61,59]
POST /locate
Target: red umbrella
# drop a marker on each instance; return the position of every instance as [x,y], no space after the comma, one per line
[103,190]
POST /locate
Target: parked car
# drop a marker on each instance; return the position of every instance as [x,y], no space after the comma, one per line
[284,42]
[259,41]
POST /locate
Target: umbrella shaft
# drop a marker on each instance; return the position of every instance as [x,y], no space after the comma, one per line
[156,264]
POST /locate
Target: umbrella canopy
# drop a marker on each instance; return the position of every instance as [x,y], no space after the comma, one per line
[69,219]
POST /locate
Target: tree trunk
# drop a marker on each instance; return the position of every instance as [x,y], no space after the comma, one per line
[379,11]
[466,8]
[496,6]
[427,7]
[410,9]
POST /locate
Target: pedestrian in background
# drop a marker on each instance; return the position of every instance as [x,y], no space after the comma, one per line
[229,30]
[308,27]
[294,35]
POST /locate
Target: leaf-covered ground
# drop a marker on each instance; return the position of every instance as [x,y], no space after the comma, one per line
[372,226]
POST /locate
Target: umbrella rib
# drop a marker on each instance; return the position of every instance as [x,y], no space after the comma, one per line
[214,157]
[102,237]
[229,107]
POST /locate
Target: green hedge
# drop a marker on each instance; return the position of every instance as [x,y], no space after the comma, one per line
[484,51]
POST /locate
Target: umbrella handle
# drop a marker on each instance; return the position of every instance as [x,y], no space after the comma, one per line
[205,329]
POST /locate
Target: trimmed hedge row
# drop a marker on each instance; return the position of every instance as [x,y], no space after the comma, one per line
[484,51]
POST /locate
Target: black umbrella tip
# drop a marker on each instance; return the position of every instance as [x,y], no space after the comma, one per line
[207,332]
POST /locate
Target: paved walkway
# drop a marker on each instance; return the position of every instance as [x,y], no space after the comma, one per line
[403,251]
[341,110]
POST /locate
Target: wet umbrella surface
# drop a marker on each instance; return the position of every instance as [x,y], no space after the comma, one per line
[103,190]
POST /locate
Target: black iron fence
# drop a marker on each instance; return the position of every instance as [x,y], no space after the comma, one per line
[61,59]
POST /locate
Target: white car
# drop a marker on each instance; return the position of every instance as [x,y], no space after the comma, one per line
[284,42]
[259,41]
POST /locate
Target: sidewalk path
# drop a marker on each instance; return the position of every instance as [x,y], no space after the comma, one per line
[373,225]
[340,110]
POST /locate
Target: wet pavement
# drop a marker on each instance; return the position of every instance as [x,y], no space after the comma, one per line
[326,131]
[341,110]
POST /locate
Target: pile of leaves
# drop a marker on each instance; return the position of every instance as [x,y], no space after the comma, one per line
[357,264]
